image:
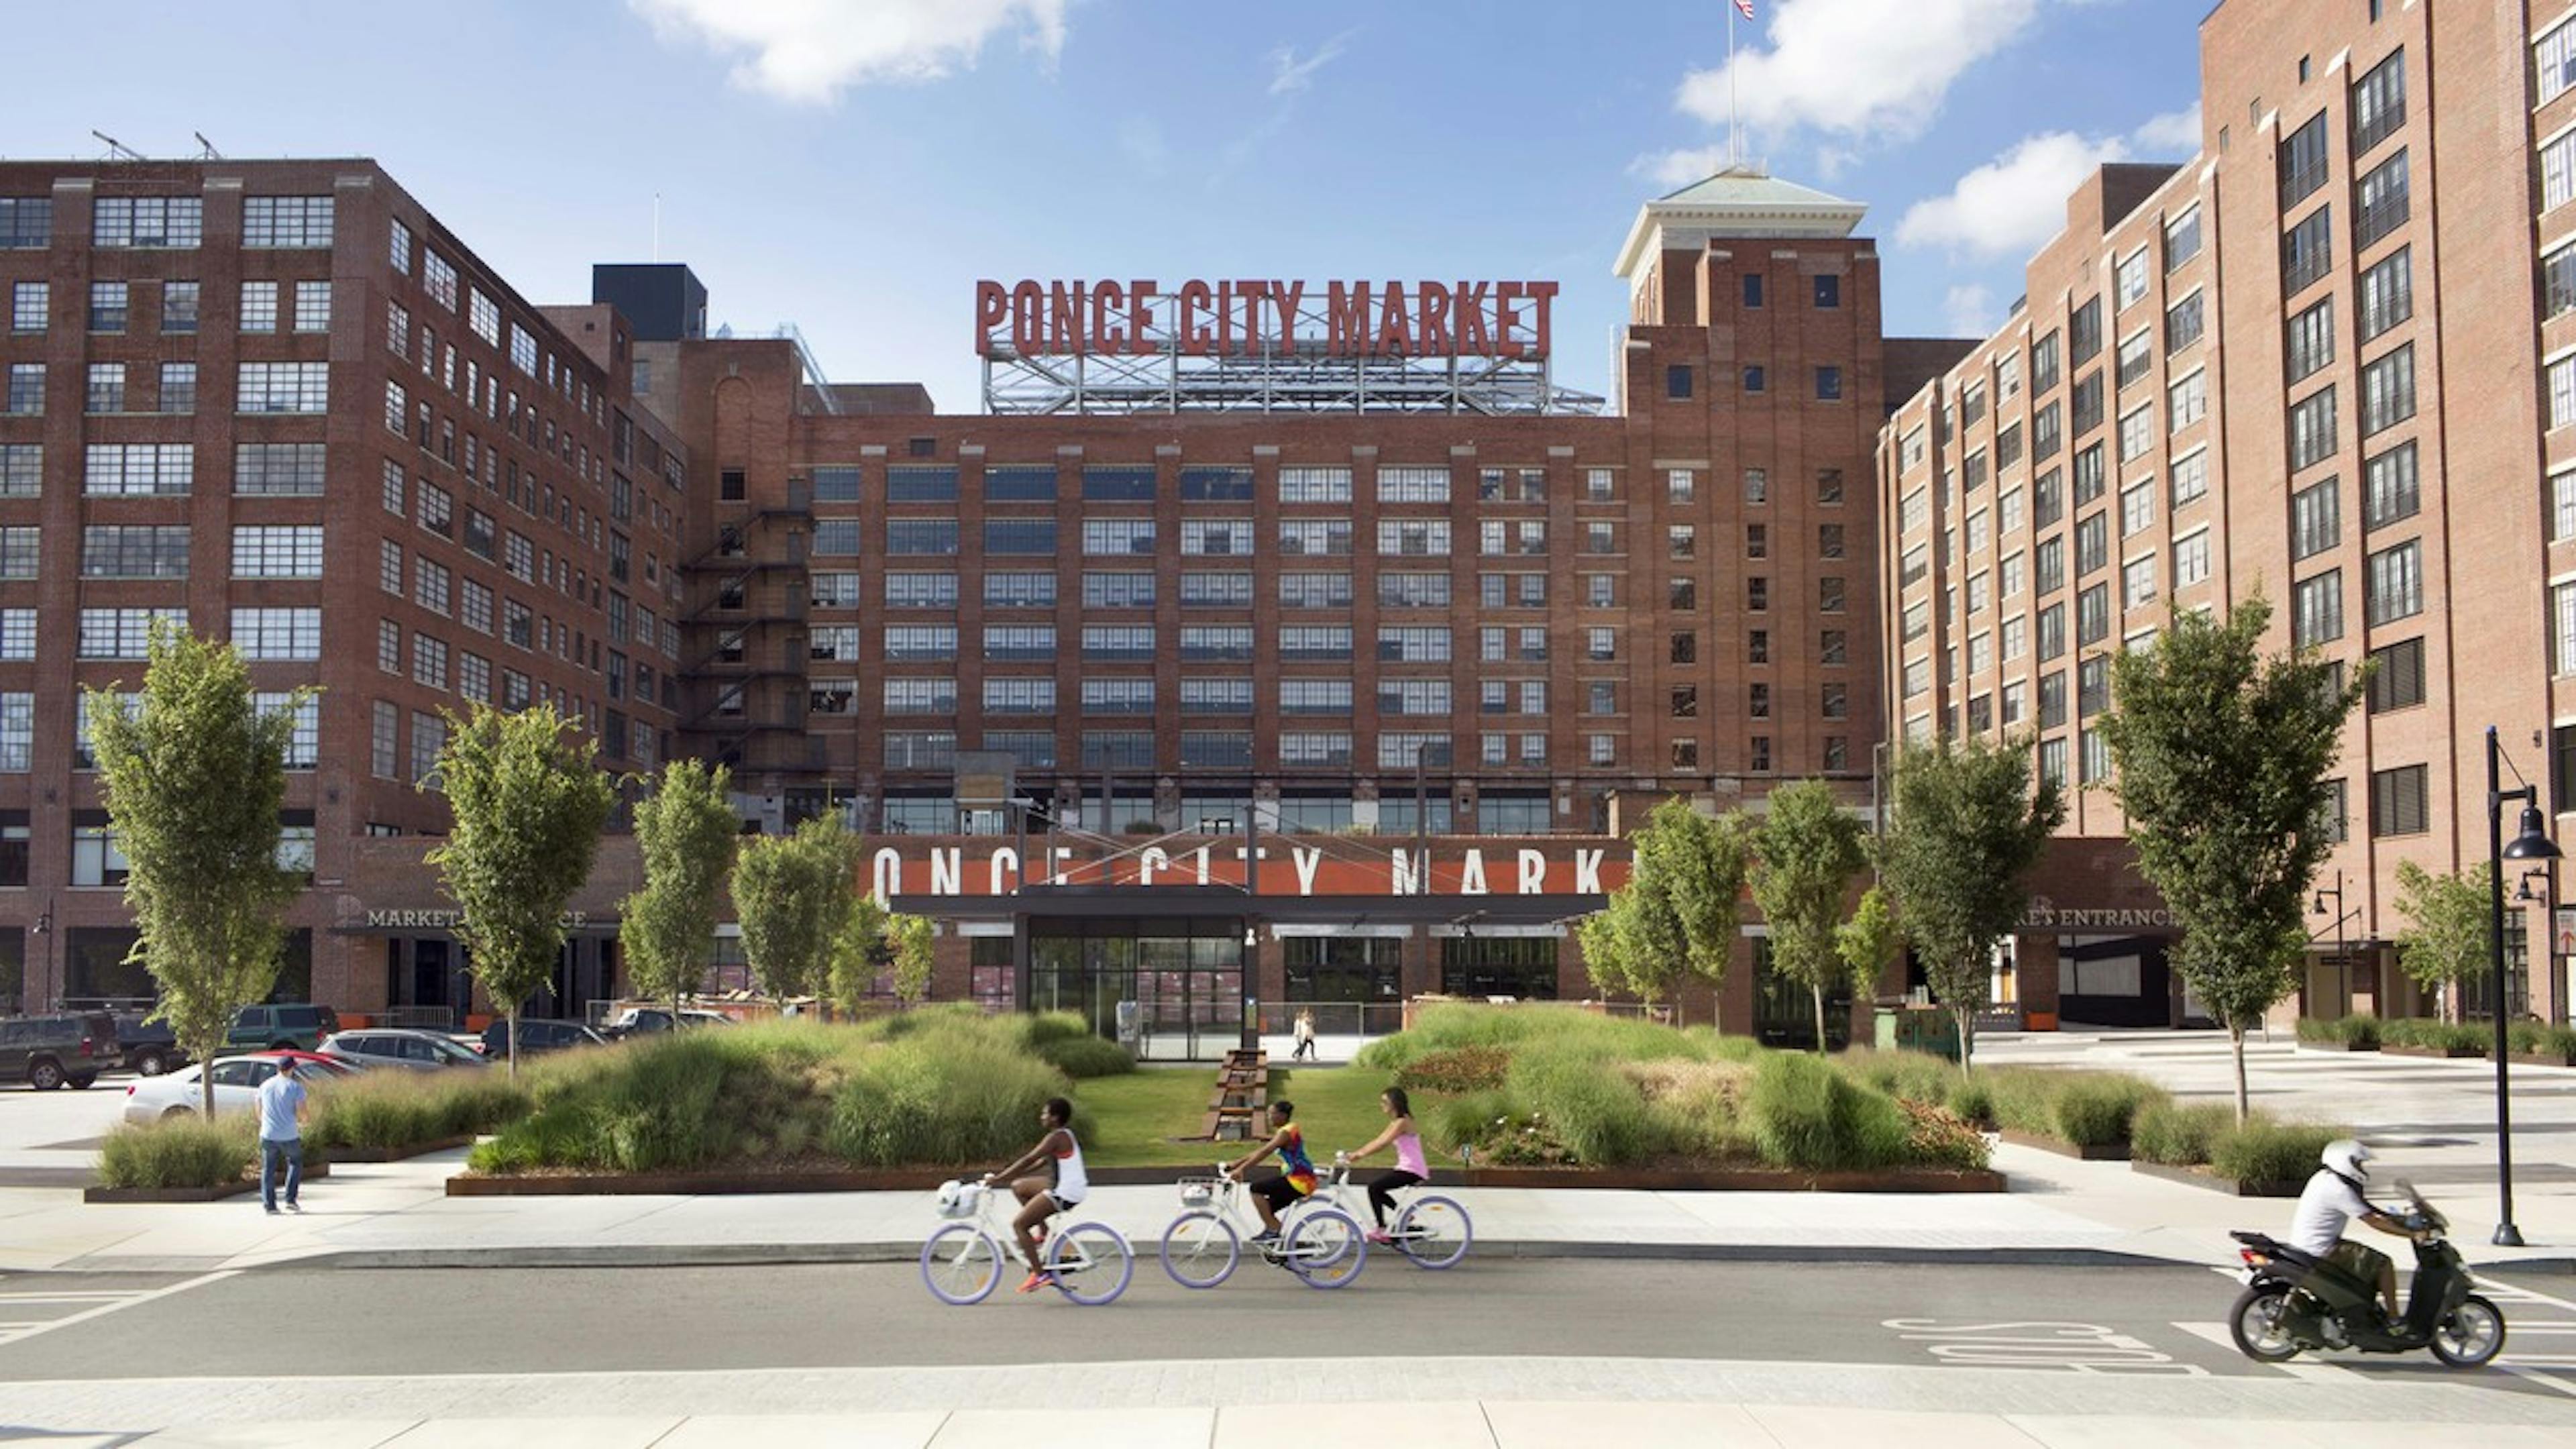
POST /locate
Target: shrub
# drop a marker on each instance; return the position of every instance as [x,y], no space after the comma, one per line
[1695,1109]
[1458,1069]
[1598,1114]
[1052,1026]
[2179,1136]
[2534,1038]
[395,1110]
[940,1098]
[1085,1056]
[2426,1034]
[180,1152]
[1907,1075]
[1468,1119]
[1805,1114]
[2098,1110]
[2270,1152]
[1935,1137]
[2359,1030]
[1972,1101]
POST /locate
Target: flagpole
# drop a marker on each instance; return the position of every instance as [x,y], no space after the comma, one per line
[1733,154]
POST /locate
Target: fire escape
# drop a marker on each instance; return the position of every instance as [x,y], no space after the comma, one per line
[746,622]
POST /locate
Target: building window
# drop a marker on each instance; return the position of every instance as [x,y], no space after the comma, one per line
[107,306]
[2397,676]
[2387,294]
[2390,487]
[2084,334]
[1752,289]
[2316,519]
[147,221]
[26,223]
[285,387]
[277,551]
[2397,802]
[2312,429]
[106,387]
[1314,485]
[2303,162]
[2191,559]
[2130,279]
[2396,583]
[2558,172]
[286,221]
[2388,391]
[2182,238]
[2307,251]
[139,469]
[1677,382]
[2183,324]
[2380,206]
[2316,610]
[1829,384]
[2309,341]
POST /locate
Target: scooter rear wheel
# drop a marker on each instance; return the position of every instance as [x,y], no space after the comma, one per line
[2257,1324]
[2470,1336]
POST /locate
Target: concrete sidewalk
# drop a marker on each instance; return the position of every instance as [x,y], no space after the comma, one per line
[397,1214]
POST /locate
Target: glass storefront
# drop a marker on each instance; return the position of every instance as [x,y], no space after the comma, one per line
[1345,968]
[1515,966]
[1170,989]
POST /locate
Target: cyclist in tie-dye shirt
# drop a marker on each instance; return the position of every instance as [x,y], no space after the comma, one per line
[1298,1180]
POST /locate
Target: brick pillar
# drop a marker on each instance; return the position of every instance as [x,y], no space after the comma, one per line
[2035,980]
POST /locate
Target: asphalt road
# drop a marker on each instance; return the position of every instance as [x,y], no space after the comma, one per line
[450,1321]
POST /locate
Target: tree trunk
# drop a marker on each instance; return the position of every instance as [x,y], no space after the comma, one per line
[1817,989]
[1967,1039]
[206,1074]
[512,1017]
[2236,1040]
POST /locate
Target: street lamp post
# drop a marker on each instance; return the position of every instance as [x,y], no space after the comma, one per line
[2530,842]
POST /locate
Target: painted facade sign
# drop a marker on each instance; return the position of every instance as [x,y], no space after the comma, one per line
[1282,870]
[444,918]
[2045,914]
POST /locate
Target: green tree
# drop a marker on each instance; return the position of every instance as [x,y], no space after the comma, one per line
[913,937]
[193,776]
[1806,855]
[687,833]
[2449,943]
[2221,757]
[792,895]
[529,806]
[860,951]
[1868,938]
[1968,825]
[1677,915]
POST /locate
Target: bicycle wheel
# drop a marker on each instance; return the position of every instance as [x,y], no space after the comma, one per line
[1434,1232]
[1200,1250]
[961,1264]
[1091,1263]
[1326,1248]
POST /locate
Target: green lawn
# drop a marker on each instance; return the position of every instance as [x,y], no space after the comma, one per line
[1128,1121]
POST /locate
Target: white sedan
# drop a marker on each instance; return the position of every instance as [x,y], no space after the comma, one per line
[237,1081]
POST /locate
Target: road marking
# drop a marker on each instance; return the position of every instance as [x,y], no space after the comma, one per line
[2537,1377]
[20,1332]
[2313,1370]
[2082,1348]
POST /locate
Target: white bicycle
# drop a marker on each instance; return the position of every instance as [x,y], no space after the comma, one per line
[1318,1241]
[1431,1230]
[963,1260]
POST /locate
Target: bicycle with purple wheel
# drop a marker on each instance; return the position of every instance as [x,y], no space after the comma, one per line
[964,1259]
[1319,1242]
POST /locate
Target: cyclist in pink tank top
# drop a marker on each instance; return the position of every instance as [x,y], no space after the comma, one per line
[1410,1168]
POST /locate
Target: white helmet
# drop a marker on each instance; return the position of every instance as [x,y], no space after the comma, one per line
[2346,1158]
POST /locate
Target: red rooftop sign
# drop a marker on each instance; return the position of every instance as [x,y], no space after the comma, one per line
[1250,318]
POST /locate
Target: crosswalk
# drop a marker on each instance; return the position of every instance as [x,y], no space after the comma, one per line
[29,1306]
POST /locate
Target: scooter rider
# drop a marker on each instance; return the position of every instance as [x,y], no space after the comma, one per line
[2333,1198]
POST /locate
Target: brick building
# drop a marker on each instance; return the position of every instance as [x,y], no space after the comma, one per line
[2330,360]
[280,401]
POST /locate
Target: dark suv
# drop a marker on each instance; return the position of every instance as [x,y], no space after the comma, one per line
[276,1026]
[47,1051]
[147,1048]
[536,1034]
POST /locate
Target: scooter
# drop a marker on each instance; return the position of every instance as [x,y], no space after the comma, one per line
[2294,1302]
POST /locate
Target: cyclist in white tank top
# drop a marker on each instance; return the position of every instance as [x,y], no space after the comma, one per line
[1042,1197]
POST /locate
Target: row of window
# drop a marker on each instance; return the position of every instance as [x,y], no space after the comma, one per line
[936,750]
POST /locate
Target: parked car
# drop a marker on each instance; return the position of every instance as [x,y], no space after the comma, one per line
[147,1048]
[419,1051]
[282,1024]
[237,1082]
[47,1051]
[536,1034]
[645,1020]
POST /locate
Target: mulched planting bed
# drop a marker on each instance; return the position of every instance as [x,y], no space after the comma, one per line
[1710,1179]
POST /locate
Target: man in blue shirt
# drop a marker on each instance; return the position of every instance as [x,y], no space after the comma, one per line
[281,1135]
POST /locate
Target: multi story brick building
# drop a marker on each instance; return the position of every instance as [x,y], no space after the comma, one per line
[280,402]
[2329,360]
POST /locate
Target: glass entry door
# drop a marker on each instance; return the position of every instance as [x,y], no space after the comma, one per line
[1167,990]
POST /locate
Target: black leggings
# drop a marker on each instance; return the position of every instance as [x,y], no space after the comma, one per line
[1381,1191]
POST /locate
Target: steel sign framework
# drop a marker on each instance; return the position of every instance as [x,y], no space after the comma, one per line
[1298,350]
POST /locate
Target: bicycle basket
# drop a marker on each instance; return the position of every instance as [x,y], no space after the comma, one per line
[1198,1192]
[959,1199]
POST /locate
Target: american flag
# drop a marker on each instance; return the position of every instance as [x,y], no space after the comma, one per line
[1746,6]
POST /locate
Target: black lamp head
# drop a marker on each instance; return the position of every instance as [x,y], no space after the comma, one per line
[2531,840]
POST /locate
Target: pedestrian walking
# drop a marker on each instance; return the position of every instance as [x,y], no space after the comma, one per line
[1305,1032]
[281,1136]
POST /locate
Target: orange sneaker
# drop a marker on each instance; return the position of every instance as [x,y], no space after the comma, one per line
[1037,1281]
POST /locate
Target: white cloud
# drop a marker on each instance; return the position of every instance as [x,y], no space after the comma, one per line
[1857,68]
[2012,204]
[1674,170]
[807,51]
[1289,75]
[1969,311]
[2175,134]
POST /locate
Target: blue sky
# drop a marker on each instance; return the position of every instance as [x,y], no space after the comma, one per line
[854,166]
